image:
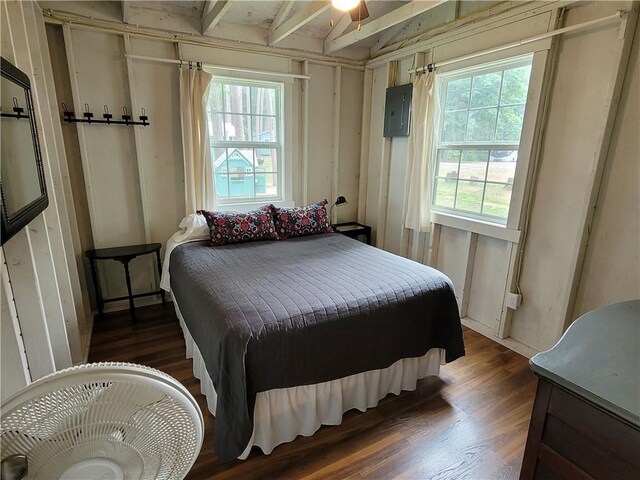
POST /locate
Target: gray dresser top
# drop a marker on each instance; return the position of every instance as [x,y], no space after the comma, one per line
[598,358]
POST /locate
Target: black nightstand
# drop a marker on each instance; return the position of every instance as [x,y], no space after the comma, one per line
[353,230]
[123,255]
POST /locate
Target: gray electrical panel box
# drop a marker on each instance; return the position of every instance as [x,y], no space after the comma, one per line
[396,111]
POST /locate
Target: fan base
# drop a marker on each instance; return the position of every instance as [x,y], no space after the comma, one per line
[94,469]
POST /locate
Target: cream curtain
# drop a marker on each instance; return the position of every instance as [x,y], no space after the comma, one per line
[417,198]
[199,185]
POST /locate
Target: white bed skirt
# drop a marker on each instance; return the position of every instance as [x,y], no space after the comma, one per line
[280,415]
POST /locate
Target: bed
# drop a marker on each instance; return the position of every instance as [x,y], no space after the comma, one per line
[288,335]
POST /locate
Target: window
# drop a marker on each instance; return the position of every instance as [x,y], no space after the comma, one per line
[245,127]
[477,138]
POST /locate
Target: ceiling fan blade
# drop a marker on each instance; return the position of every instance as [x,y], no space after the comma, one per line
[360,12]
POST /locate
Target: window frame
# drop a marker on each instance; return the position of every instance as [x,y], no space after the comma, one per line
[531,127]
[442,89]
[282,102]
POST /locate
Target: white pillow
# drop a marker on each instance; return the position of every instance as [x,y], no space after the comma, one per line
[193,227]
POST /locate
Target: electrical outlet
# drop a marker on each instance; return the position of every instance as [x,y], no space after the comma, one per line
[513,300]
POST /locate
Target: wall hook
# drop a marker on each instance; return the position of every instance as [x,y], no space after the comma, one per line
[125,116]
[143,117]
[17,109]
[87,114]
[106,115]
[68,116]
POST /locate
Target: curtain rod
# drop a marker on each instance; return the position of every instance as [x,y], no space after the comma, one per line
[432,66]
[218,67]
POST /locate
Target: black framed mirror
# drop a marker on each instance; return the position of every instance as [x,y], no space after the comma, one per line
[22,182]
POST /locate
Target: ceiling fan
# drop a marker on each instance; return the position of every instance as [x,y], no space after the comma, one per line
[357,9]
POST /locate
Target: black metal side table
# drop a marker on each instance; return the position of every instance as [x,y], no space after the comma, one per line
[353,230]
[123,255]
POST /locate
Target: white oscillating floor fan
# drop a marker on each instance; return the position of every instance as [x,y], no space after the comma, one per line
[105,421]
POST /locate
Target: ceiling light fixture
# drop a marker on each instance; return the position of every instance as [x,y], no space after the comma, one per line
[345,5]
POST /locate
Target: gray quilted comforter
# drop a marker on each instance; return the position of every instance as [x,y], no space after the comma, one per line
[279,314]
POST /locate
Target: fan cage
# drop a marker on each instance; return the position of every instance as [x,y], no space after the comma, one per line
[142,419]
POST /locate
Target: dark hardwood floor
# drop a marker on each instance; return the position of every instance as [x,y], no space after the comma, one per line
[470,423]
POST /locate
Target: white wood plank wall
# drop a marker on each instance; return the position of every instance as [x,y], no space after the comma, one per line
[588,157]
[115,185]
[44,322]
[132,177]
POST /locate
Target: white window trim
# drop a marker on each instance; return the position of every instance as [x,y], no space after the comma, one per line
[475,225]
[441,88]
[285,146]
[511,230]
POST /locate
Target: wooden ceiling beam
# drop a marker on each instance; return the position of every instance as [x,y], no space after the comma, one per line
[337,30]
[283,13]
[395,17]
[126,11]
[299,19]
[386,37]
[212,13]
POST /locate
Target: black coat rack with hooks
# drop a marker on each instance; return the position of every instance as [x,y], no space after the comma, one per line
[107,118]
[18,111]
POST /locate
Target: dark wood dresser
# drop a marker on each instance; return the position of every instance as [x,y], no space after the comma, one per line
[586,416]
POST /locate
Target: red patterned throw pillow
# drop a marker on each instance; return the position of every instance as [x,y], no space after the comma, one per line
[308,220]
[225,227]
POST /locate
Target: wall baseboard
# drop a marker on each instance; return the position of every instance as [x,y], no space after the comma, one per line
[116,307]
[139,302]
[510,343]
[87,339]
